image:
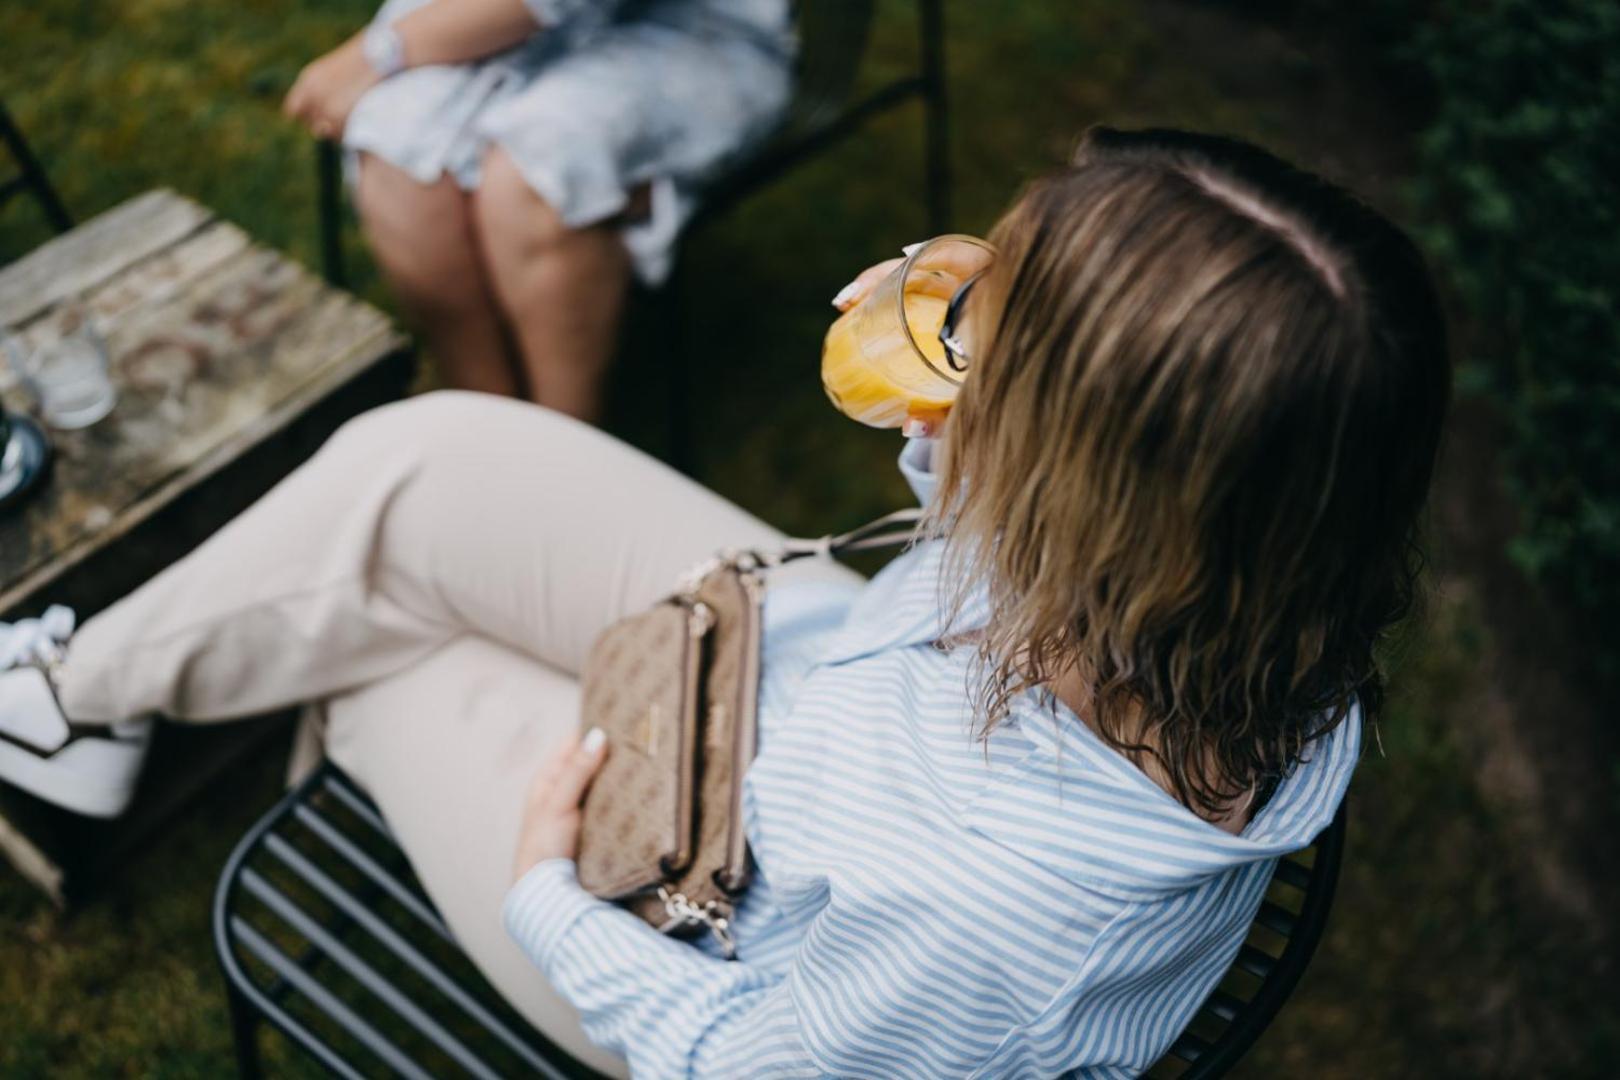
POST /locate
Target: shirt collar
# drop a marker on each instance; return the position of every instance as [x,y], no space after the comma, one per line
[917,466]
[1104,797]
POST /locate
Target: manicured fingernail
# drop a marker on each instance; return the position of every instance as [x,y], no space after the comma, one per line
[844,295]
[914,428]
[594,740]
[910,248]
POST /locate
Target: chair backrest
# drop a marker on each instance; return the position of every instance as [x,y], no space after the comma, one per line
[1281,941]
[832,39]
[323,932]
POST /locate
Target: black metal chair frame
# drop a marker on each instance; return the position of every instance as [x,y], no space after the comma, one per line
[30,177]
[255,1001]
[314,809]
[1301,930]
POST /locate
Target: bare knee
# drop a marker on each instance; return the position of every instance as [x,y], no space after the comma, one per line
[394,203]
[512,220]
[418,231]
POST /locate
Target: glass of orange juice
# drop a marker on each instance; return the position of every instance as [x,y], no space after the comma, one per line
[884,359]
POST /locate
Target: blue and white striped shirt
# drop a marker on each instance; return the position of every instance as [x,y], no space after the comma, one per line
[928,904]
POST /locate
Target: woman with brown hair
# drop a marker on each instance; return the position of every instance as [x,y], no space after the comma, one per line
[1018,797]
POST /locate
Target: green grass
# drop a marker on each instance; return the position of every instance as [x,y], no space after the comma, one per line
[1440,958]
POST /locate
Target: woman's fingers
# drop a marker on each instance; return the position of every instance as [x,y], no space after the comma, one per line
[326,90]
[303,105]
[923,424]
[297,98]
[551,820]
[938,271]
[862,286]
[572,769]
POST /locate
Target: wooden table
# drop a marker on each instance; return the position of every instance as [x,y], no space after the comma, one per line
[233,363]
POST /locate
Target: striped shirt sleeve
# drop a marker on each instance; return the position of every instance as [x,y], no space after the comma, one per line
[671,1010]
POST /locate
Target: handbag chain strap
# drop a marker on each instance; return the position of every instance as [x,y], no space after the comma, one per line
[890,530]
[713,915]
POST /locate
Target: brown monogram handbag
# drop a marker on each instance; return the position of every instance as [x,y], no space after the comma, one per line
[675,689]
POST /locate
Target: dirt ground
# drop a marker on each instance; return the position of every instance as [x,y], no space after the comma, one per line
[1541,751]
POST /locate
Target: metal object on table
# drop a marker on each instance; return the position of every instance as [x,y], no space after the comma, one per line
[366,977]
[25,457]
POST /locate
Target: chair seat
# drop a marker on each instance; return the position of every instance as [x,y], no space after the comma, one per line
[324,933]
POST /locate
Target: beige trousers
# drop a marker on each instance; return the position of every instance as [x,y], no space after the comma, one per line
[435,575]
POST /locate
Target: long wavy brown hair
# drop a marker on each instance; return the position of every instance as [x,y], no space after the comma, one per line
[1190,457]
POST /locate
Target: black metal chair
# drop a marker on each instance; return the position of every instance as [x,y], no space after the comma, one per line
[324,934]
[30,177]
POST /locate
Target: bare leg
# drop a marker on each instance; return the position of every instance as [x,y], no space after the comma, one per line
[423,239]
[562,289]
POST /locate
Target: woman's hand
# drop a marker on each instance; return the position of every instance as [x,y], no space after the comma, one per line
[324,93]
[551,815]
[919,425]
[867,280]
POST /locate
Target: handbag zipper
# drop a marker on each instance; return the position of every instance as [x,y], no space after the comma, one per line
[699,620]
[733,876]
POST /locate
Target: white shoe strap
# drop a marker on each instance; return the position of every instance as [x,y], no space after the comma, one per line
[40,640]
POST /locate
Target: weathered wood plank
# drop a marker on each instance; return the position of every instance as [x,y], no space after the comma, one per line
[204,372]
[150,282]
[96,251]
[233,364]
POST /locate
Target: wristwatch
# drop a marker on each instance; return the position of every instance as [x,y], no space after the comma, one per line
[383,49]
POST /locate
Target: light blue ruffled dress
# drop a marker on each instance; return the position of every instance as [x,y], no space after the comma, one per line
[607,96]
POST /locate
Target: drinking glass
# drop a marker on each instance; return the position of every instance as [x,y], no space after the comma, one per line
[66,371]
[883,359]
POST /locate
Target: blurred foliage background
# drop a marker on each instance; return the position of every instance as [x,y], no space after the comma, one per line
[1515,189]
[1473,932]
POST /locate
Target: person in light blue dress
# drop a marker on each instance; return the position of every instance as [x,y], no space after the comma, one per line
[517,162]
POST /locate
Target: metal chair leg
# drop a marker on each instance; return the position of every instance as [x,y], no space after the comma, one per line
[936,115]
[32,176]
[329,177]
[678,363]
[244,1034]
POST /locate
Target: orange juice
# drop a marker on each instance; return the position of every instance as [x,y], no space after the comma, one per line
[870,367]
